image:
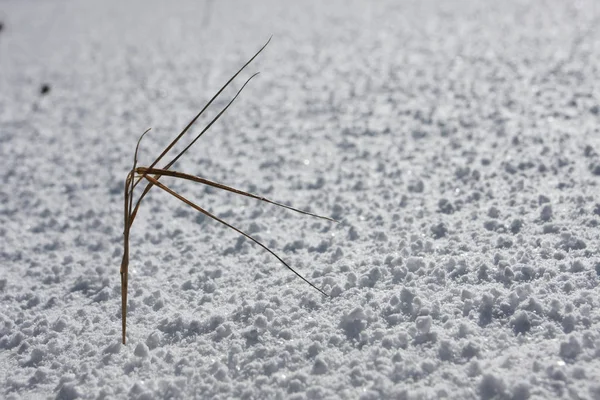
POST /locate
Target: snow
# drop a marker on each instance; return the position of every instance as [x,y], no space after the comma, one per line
[457,142]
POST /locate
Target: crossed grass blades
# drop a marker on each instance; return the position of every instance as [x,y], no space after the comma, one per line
[152,175]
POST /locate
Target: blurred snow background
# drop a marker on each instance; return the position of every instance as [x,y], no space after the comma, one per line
[457,142]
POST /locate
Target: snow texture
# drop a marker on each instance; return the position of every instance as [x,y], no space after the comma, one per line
[457,141]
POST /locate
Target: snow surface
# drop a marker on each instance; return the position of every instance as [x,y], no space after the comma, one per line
[457,141]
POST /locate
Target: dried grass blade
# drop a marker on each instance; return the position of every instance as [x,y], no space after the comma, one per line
[127,227]
[189,125]
[149,185]
[176,174]
[203,211]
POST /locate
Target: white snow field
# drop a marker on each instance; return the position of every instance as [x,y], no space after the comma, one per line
[457,142]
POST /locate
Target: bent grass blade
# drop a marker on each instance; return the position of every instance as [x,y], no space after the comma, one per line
[203,211]
[143,171]
[152,176]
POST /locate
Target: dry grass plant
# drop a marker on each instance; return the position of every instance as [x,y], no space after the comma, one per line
[152,175]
